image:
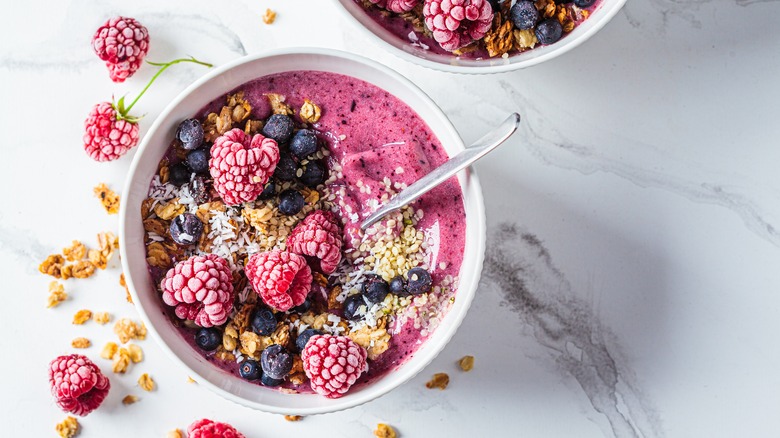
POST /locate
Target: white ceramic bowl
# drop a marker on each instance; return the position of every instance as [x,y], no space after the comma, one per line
[153,146]
[404,49]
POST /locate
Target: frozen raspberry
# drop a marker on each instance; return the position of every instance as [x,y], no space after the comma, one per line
[318,236]
[333,364]
[457,23]
[201,288]
[399,6]
[206,428]
[282,279]
[122,42]
[77,384]
[108,136]
[241,165]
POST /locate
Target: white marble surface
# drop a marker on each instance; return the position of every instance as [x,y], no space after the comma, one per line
[631,278]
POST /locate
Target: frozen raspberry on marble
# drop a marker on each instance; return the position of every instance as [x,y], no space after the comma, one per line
[241,165]
[107,135]
[77,384]
[122,42]
[398,6]
[457,23]
[333,364]
[281,279]
[319,236]
[206,428]
[201,289]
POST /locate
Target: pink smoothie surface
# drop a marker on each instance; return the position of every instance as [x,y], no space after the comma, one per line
[372,135]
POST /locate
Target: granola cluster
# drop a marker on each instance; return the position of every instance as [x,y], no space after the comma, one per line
[78,261]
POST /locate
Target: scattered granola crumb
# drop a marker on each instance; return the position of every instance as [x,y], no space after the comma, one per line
[439,380]
[68,428]
[80,343]
[146,382]
[82,316]
[293,417]
[121,361]
[466,363]
[57,294]
[79,269]
[52,265]
[135,352]
[108,198]
[277,104]
[109,350]
[129,399]
[269,16]
[127,329]
[76,251]
[102,317]
[310,112]
[384,431]
[127,290]
[176,433]
[191,380]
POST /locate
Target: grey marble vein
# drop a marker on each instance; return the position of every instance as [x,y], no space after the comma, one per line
[535,290]
[551,146]
[23,244]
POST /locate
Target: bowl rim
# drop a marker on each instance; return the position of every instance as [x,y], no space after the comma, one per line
[478,221]
[557,49]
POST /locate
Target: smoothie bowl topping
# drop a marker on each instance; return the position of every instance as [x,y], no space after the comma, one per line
[253,240]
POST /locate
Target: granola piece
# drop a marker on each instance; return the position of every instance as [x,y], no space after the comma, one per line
[121,361]
[250,344]
[108,198]
[224,355]
[277,104]
[76,251]
[241,320]
[146,382]
[156,226]
[252,127]
[258,217]
[525,39]
[568,25]
[68,428]
[333,302]
[146,207]
[190,380]
[122,283]
[52,265]
[224,120]
[439,380]
[297,378]
[310,112]
[281,335]
[109,350]
[80,269]
[230,337]
[157,256]
[102,318]
[293,417]
[269,16]
[384,431]
[129,399]
[82,316]
[169,210]
[500,38]
[57,294]
[466,363]
[240,109]
[135,352]
[375,340]
[80,343]
[176,433]
[210,128]
[310,196]
[127,329]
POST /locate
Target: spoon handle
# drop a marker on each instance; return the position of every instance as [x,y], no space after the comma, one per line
[477,150]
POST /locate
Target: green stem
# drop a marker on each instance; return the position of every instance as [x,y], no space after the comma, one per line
[163,67]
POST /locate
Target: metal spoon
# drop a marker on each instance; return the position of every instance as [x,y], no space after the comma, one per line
[477,150]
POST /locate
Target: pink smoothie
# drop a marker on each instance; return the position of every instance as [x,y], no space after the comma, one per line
[371,135]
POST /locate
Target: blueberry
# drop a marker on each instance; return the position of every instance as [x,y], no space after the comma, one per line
[198,160]
[285,168]
[418,281]
[398,286]
[303,144]
[549,31]
[198,190]
[290,202]
[208,338]
[267,380]
[263,322]
[304,307]
[314,174]
[250,369]
[276,362]
[278,127]
[304,337]
[269,191]
[584,3]
[190,134]
[375,289]
[524,14]
[352,305]
[186,229]
[179,174]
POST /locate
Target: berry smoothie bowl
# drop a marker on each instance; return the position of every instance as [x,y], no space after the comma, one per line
[241,242]
[479,36]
